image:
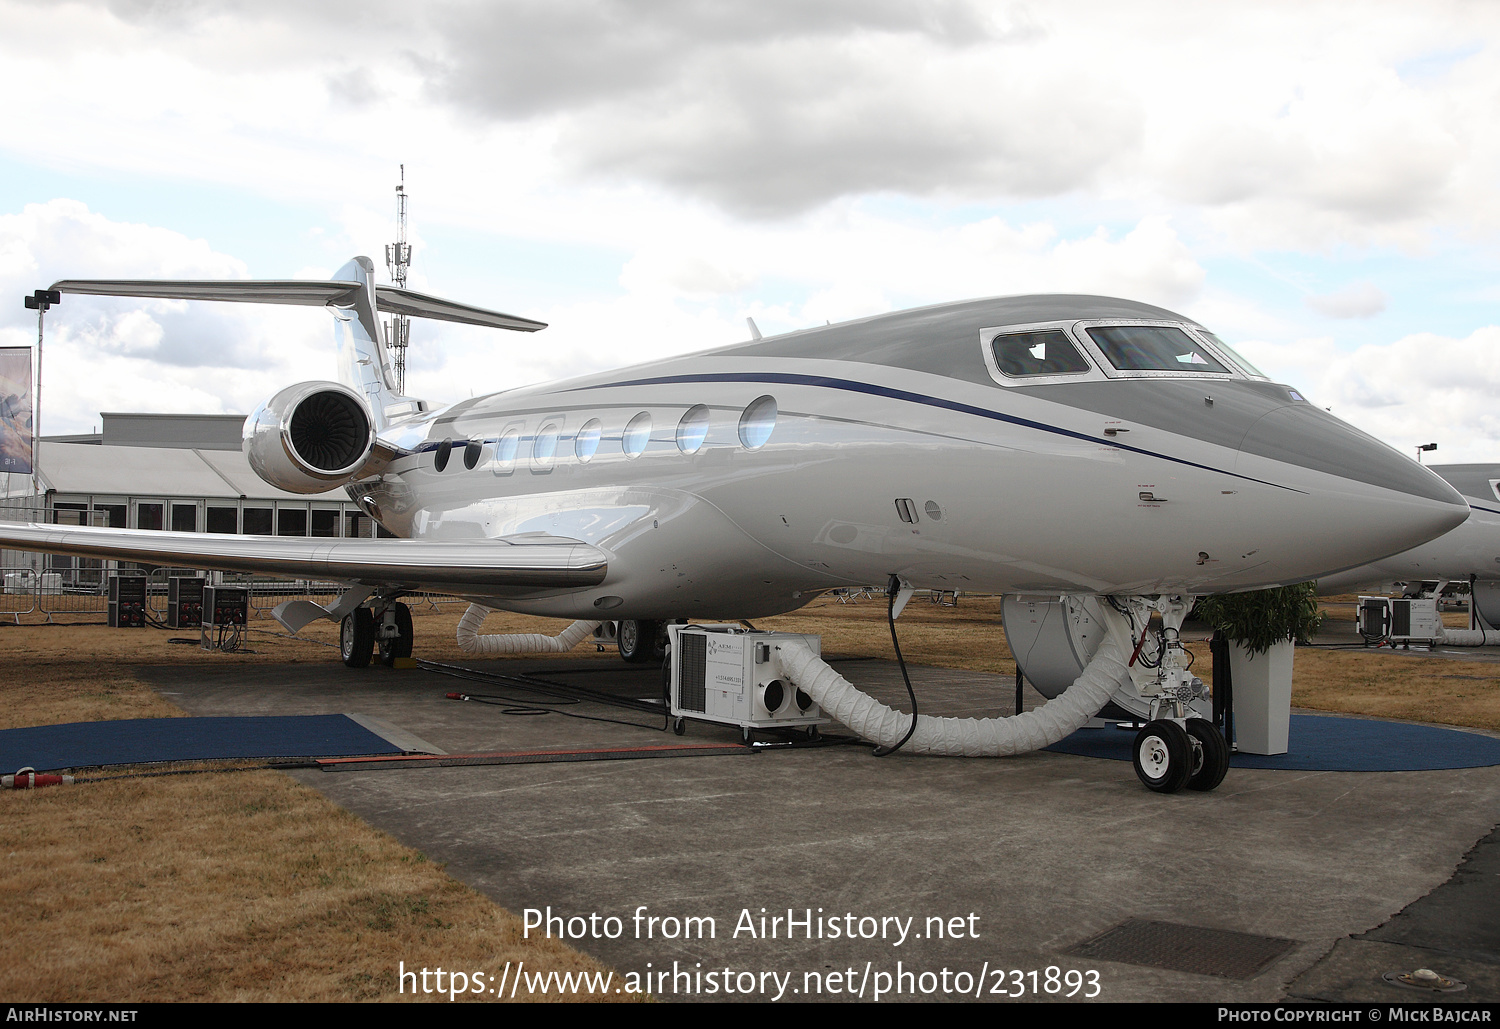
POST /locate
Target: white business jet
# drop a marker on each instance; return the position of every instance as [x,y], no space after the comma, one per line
[1470,553]
[1033,445]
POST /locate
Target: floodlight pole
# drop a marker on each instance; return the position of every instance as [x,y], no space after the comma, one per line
[1424,446]
[41,302]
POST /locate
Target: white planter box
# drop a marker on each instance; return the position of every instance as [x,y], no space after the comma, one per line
[1262,685]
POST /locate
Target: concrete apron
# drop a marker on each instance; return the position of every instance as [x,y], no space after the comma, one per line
[1021,858]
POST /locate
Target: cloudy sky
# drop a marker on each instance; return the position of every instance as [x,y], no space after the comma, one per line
[1314,181]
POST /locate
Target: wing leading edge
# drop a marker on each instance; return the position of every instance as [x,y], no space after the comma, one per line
[524,562]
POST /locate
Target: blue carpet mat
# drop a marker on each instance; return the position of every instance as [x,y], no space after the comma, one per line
[140,740]
[1328,743]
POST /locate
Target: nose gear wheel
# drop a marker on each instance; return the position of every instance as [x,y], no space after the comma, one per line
[1163,756]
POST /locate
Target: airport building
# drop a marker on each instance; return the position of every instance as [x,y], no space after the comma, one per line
[184,472]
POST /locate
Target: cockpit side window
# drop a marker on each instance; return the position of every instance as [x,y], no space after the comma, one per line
[1234,355]
[1153,348]
[1039,352]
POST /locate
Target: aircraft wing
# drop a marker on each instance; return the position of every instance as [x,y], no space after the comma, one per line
[303,292]
[531,561]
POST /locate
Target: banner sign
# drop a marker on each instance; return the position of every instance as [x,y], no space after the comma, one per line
[15,410]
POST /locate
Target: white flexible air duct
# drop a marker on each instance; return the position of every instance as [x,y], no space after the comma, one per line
[961,737]
[1468,638]
[470,642]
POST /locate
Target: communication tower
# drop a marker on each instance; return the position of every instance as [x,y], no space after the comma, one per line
[397,260]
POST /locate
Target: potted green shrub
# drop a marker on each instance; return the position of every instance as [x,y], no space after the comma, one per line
[1261,629]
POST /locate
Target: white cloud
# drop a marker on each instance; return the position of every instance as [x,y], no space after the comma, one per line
[1422,388]
[117,354]
[1284,125]
[1361,300]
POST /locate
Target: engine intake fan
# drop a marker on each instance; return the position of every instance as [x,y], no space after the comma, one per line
[311,437]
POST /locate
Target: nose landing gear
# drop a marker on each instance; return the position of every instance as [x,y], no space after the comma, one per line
[1169,756]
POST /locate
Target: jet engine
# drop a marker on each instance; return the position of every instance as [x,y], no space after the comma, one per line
[311,437]
[1486,599]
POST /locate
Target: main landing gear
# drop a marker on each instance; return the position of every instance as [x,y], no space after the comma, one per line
[640,642]
[1169,756]
[364,631]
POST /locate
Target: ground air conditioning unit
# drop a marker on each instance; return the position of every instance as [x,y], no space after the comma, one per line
[1400,622]
[732,675]
[1415,621]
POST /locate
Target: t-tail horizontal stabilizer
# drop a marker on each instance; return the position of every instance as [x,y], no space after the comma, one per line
[304,292]
[355,301]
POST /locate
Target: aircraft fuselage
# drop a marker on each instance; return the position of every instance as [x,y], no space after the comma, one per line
[920,460]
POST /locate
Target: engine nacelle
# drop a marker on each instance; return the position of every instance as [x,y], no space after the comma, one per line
[311,437]
[1054,638]
[1486,599]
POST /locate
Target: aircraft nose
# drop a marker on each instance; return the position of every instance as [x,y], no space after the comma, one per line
[1380,501]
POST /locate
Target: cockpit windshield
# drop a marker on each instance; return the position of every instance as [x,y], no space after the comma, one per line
[1234,355]
[1153,348]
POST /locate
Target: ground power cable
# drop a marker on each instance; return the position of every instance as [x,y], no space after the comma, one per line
[892,588]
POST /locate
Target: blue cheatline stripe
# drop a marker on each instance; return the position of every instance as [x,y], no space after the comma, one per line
[794,379]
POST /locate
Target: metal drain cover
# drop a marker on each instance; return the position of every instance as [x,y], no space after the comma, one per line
[1425,979]
[1185,948]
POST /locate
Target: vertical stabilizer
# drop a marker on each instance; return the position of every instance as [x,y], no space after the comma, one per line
[364,364]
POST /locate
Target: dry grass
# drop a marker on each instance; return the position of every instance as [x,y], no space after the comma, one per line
[1387,685]
[236,886]
[240,885]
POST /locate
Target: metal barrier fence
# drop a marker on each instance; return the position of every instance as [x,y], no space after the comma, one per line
[81,591]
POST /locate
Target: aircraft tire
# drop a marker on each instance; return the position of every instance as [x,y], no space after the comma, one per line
[357,638]
[1215,755]
[637,640]
[399,646]
[1163,756]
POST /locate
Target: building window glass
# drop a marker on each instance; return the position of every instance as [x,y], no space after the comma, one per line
[325,523]
[223,519]
[291,521]
[257,521]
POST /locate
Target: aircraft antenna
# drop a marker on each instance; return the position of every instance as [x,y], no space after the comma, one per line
[397,260]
